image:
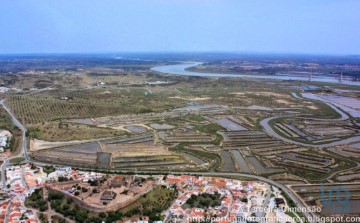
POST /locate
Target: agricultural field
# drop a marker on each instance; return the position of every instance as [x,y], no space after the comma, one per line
[58,104]
[187,136]
[190,123]
[288,179]
[351,150]
[316,131]
[352,175]
[188,129]
[83,155]
[126,152]
[64,131]
[311,194]
[314,166]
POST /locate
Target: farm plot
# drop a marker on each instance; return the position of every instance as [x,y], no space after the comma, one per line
[311,194]
[228,164]
[350,150]
[258,142]
[354,204]
[189,136]
[246,118]
[48,106]
[78,155]
[316,131]
[259,167]
[204,147]
[132,139]
[161,126]
[149,162]
[206,109]
[63,131]
[209,160]
[102,152]
[245,138]
[143,156]
[274,148]
[134,150]
[240,161]
[230,124]
[243,99]
[136,129]
[198,161]
[288,179]
[135,119]
[310,188]
[306,161]
[289,130]
[350,176]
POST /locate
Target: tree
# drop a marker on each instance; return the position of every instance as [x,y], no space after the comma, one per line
[66,206]
[81,215]
[102,215]
[43,208]
[205,203]
[190,201]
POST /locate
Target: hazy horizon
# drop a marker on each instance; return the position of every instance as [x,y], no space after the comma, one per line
[177,26]
[245,53]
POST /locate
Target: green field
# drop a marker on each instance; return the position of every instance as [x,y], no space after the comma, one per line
[48,106]
[63,131]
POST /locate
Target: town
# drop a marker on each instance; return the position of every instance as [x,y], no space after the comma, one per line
[29,188]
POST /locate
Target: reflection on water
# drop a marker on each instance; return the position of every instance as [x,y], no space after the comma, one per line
[179,69]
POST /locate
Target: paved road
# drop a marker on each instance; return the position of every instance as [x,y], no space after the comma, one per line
[23,150]
[343,116]
[265,124]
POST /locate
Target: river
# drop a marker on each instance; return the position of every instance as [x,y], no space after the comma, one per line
[179,69]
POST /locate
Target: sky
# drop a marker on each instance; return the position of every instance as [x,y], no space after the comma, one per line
[100,26]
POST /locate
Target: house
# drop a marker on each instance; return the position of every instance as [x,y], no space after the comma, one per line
[108,195]
[70,189]
[3,141]
[118,181]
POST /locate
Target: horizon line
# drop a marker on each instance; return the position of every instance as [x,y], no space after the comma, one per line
[181,52]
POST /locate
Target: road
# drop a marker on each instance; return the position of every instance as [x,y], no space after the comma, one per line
[17,123]
[265,124]
[343,116]
[23,150]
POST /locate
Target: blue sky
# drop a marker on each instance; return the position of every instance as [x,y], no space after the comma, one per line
[286,26]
